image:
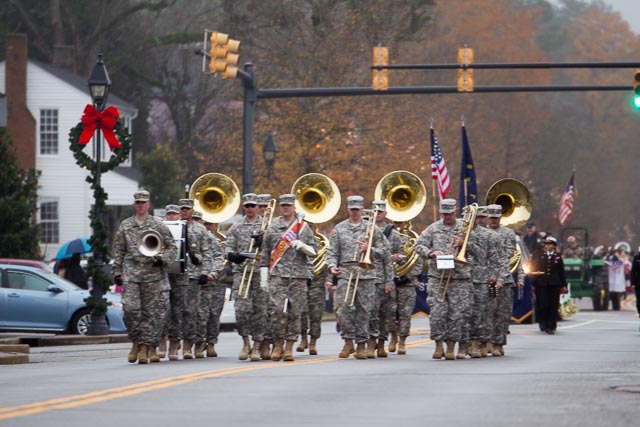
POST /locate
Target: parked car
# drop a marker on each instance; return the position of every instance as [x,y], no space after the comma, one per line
[28,262]
[32,299]
[228,315]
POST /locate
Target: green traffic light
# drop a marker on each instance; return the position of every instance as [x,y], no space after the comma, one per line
[636,102]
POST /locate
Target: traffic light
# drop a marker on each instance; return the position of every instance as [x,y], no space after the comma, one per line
[465,75]
[224,56]
[636,89]
[380,80]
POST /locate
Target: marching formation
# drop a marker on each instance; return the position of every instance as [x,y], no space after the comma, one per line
[280,267]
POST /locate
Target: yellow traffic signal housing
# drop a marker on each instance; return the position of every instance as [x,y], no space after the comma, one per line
[380,78]
[465,75]
[224,56]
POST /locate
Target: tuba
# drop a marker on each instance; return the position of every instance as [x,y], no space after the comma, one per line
[406,196]
[515,199]
[318,197]
[150,243]
[216,196]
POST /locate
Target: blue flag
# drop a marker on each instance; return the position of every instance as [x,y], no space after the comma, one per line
[468,187]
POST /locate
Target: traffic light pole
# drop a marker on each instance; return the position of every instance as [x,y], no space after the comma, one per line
[250,97]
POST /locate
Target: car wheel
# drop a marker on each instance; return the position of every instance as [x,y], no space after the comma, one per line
[80,322]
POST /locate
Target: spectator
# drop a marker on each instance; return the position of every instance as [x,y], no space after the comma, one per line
[616,278]
[532,240]
[74,272]
[573,250]
[635,278]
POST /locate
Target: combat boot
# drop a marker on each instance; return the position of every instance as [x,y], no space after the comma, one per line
[200,349]
[312,346]
[495,350]
[303,344]
[347,349]
[439,353]
[132,357]
[393,342]
[153,355]
[381,352]
[371,348]
[211,351]
[483,348]
[162,348]
[276,354]
[288,351]
[265,350]
[401,346]
[361,351]
[475,350]
[255,351]
[449,353]
[244,352]
[462,350]
[187,352]
[142,354]
[501,350]
[174,347]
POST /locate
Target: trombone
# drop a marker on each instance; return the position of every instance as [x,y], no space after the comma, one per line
[249,268]
[364,262]
[468,222]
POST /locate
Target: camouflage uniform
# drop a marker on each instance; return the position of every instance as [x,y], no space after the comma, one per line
[145,299]
[406,301]
[212,296]
[251,312]
[450,318]
[287,279]
[311,317]
[484,268]
[353,320]
[198,245]
[501,316]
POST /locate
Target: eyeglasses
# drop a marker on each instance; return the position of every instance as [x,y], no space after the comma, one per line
[140,202]
[285,205]
[250,205]
[184,208]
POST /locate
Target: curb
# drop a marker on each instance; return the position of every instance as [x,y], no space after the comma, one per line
[13,358]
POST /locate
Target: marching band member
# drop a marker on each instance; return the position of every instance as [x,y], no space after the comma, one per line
[505,283]
[450,305]
[549,284]
[145,299]
[198,265]
[211,299]
[290,245]
[265,348]
[251,309]
[348,243]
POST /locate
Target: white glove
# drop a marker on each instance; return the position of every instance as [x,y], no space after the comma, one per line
[303,247]
[264,278]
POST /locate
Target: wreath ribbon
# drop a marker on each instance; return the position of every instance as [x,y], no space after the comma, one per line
[106,120]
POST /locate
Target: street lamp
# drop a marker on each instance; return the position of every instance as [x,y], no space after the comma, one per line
[99,85]
[269,153]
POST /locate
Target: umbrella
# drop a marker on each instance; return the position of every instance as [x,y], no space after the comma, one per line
[75,246]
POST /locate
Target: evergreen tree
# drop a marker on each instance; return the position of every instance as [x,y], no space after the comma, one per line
[19,232]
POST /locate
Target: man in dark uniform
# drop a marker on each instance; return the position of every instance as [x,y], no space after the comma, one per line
[549,283]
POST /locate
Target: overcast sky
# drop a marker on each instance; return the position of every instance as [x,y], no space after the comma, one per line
[629,10]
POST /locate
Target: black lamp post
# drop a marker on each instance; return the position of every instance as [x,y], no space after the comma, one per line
[269,153]
[99,85]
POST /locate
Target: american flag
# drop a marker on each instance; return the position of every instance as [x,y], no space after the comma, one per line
[438,167]
[566,203]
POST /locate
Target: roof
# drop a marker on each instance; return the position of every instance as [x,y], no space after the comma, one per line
[80,83]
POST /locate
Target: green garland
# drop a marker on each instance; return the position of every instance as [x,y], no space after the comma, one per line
[118,155]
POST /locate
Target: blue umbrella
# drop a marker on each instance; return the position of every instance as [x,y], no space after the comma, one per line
[75,246]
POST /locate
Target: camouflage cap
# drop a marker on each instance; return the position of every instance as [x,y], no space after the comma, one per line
[494,211]
[249,199]
[197,215]
[287,199]
[482,211]
[355,202]
[185,203]
[263,199]
[447,206]
[141,196]
[380,205]
[172,209]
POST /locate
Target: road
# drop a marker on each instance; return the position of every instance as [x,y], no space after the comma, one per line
[586,375]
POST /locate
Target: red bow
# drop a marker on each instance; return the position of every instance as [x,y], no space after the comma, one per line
[106,120]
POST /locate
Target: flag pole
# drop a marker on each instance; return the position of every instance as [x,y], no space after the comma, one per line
[433,183]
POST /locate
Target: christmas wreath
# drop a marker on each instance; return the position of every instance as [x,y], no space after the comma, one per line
[115,133]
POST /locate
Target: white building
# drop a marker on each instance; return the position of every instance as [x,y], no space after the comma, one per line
[43,103]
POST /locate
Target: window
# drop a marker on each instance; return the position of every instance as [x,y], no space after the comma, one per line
[27,282]
[49,222]
[48,131]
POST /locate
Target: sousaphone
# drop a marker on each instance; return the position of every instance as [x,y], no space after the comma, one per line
[216,196]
